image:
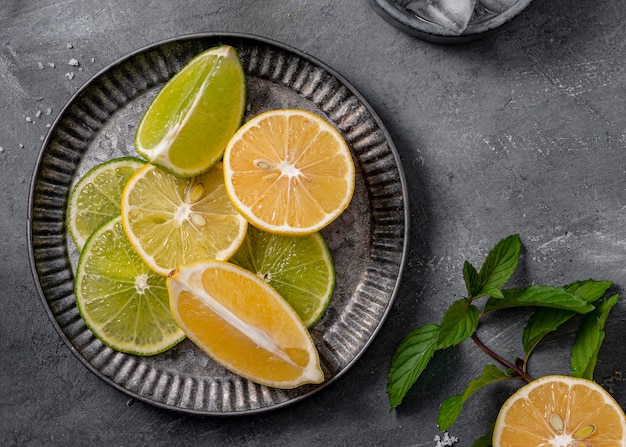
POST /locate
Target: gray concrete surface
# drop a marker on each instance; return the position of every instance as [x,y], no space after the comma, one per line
[521,132]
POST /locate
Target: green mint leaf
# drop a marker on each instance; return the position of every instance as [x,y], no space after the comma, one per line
[486,440]
[470,275]
[589,290]
[459,323]
[449,411]
[451,408]
[409,361]
[541,296]
[589,339]
[492,292]
[546,320]
[541,323]
[500,264]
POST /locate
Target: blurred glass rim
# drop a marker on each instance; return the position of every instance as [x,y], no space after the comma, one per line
[409,22]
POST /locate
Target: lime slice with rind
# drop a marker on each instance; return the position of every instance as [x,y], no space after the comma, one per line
[300,268]
[95,199]
[188,124]
[122,301]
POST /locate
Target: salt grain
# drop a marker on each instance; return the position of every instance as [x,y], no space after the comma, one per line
[21,145]
[40,65]
[48,110]
[70,46]
[446,440]
[51,64]
[38,113]
[29,119]
[1,149]
[73,62]
[70,75]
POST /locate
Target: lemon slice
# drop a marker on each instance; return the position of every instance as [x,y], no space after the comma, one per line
[120,299]
[243,324]
[560,411]
[173,220]
[190,121]
[289,172]
[300,268]
[95,199]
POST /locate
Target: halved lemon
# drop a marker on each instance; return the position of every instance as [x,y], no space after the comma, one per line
[174,220]
[289,172]
[242,323]
[560,411]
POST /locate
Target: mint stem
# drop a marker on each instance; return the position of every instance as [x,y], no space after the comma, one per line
[520,372]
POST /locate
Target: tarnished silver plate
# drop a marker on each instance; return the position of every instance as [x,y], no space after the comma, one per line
[368,242]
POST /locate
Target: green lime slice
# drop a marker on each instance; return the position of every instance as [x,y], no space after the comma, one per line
[96,197]
[120,299]
[300,268]
[188,124]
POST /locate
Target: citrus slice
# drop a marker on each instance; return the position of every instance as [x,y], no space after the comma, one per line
[173,220]
[300,268]
[95,199]
[242,323]
[560,411]
[188,124]
[120,299]
[289,172]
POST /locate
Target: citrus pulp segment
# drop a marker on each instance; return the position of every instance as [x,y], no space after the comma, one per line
[556,411]
[174,220]
[242,323]
[95,199]
[289,172]
[300,268]
[188,124]
[120,299]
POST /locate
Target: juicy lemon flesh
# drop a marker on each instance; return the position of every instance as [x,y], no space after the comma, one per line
[561,413]
[289,172]
[174,220]
[121,300]
[187,126]
[243,324]
[95,199]
[300,268]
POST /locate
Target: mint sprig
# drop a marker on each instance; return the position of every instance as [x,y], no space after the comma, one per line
[553,306]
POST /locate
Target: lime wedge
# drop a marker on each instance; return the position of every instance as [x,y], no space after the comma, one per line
[96,197]
[120,299]
[300,268]
[187,126]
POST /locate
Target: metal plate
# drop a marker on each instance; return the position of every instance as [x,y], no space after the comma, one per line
[368,241]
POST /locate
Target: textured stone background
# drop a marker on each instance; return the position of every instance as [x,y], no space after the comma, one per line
[521,132]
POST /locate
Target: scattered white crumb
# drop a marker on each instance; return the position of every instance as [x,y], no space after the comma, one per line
[70,75]
[40,65]
[70,46]
[446,440]
[51,64]
[48,125]
[38,113]
[73,62]
[48,110]
[21,145]
[93,59]
[1,149]
[29,119]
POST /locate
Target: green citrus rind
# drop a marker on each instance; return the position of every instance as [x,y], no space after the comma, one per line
[120,299]
[95,199]
[189,123]
[300,268]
